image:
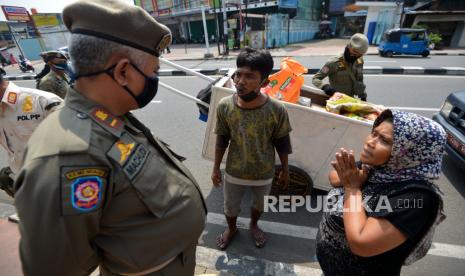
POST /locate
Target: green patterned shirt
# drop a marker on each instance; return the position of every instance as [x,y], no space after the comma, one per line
[251,154]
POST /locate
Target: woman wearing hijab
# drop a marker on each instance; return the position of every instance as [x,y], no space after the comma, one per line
[401,206]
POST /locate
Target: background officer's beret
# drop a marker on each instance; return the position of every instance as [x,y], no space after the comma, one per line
[119,22]
[359,43]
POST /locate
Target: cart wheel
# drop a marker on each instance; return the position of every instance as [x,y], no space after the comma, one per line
[425,54]
[300,183]
[381,54]
[388,53]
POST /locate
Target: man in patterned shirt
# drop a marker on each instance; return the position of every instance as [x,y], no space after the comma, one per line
[253,125]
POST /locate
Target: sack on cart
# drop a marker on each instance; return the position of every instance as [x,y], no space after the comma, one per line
[205,96]
[285,84]
[348,106]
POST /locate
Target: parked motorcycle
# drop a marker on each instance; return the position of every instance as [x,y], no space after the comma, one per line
[25,65]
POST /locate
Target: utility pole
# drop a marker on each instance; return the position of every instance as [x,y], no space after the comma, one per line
[217,28]
[225,29]
[205,33]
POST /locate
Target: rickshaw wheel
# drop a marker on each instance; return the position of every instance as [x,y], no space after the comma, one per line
[388,53]
[425,54]
[300,183]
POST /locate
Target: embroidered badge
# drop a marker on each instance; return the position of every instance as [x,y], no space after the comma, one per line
[12,97]
[85,172]
[125,150]
[82,189]
[129,154]
[106,118]
[86,192]
[325,70]
[27,105]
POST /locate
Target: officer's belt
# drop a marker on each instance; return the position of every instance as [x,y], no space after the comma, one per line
[153,269]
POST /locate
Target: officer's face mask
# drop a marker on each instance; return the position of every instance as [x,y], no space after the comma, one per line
[61,66]
[147,94]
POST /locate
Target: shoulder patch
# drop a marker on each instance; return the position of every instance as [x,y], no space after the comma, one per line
[82,189]
[12,97]
[129,155]
[325,69]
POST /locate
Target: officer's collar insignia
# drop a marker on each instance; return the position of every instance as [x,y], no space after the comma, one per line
[82,189]
[107,120]
[27,105]
[12,97]
[125,150]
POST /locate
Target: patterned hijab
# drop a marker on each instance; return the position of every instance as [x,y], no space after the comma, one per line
[417,152]
[417,149]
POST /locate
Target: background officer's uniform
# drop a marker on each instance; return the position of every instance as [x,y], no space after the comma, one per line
[22,110]
[339,72]
[100,190]
[54,83]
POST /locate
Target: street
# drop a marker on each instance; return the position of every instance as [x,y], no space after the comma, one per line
[174,119]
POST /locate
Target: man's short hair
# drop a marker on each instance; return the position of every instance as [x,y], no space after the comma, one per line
[256,60]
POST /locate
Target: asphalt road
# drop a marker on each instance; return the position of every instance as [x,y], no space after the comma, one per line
[174,119]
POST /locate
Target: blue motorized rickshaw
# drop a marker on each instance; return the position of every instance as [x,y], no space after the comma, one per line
[404,41]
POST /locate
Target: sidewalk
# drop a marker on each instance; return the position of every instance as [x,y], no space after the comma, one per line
[9,255]
[328,47]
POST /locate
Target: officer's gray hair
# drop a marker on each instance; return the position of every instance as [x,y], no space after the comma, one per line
[90,54]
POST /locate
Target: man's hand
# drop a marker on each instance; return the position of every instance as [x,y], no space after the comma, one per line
[351,177]
[216,177]
[283,179]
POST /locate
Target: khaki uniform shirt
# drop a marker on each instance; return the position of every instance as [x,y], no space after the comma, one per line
[339,73]
[54,83]
[96,191]
[21,111]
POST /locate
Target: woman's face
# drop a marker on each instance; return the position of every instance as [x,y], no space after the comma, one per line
[378,145]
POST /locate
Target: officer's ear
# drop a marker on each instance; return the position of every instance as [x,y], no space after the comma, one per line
[121,71]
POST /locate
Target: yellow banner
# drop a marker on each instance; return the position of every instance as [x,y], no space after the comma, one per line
[45,20]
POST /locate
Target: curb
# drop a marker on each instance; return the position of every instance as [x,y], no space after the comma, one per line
[403,70]
[431,54]
[234,56]
[22,77]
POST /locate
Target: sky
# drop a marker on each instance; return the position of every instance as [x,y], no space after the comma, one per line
[42,6]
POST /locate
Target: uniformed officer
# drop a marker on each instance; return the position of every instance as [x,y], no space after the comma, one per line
[56,81]
[21,111]
[96,188]
[345,71]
